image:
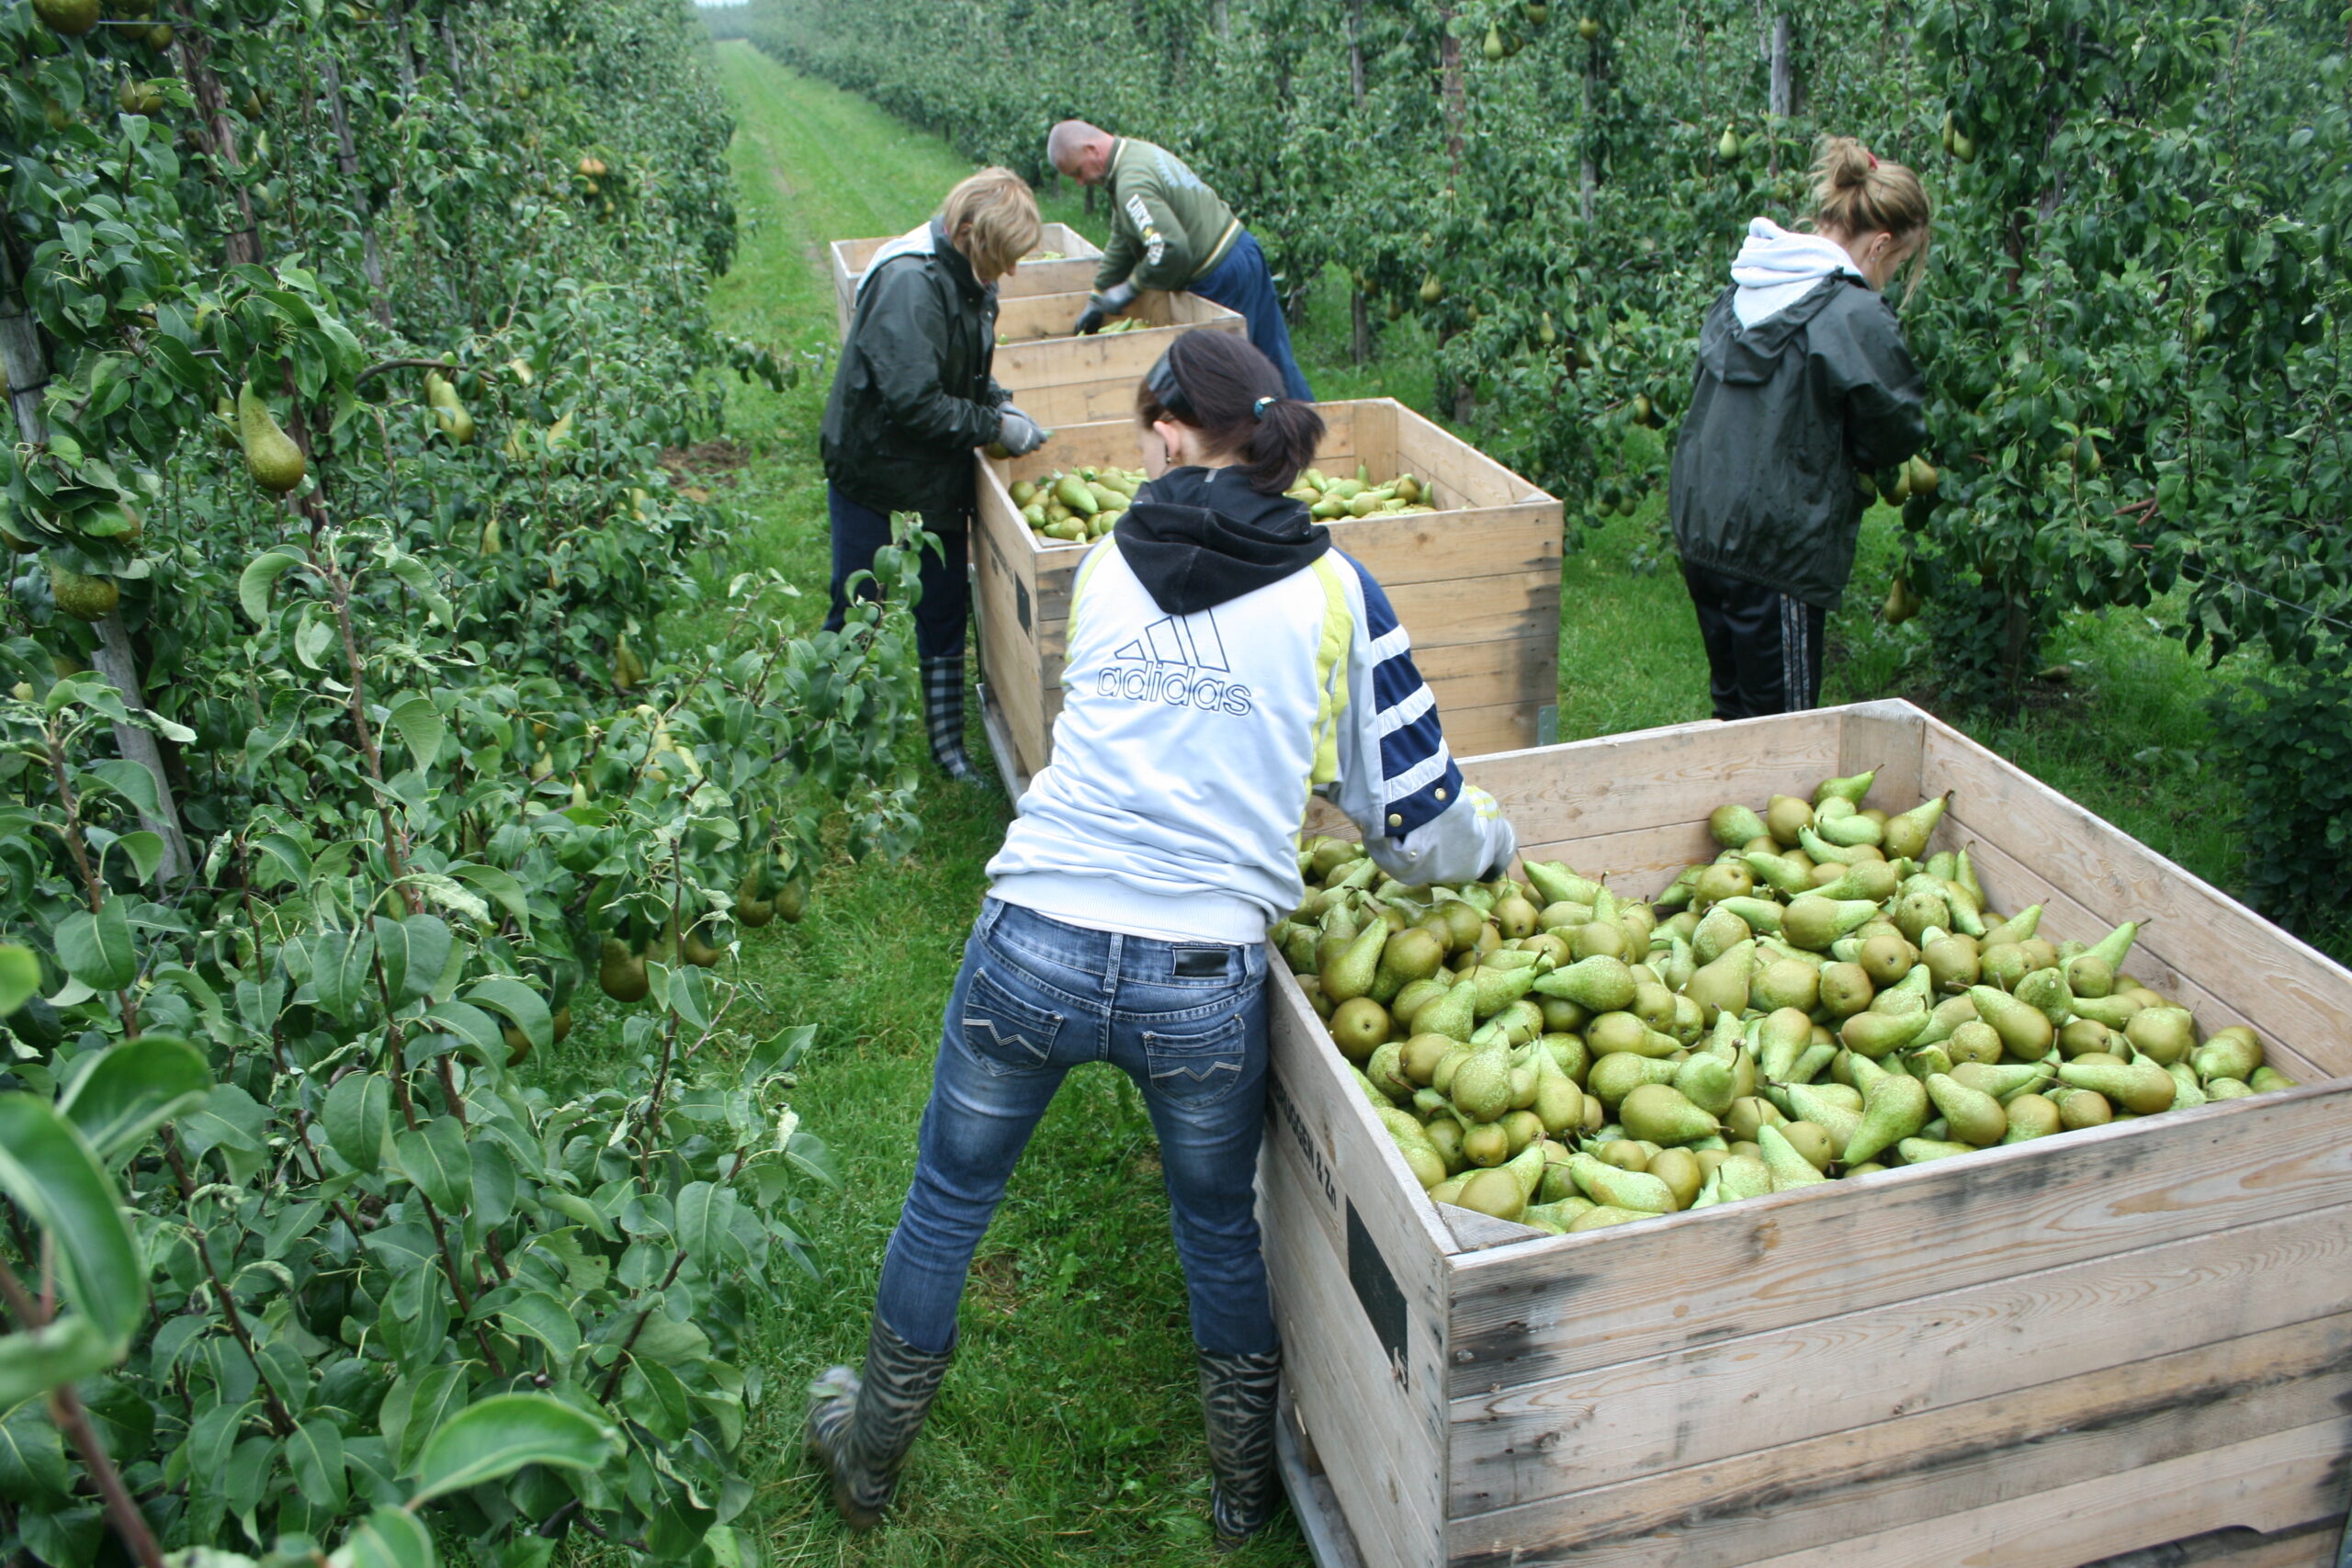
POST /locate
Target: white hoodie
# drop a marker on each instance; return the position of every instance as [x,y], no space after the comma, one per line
[1776,268]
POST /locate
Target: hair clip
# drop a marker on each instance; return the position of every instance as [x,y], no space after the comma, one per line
[1874,158]
[1257,410]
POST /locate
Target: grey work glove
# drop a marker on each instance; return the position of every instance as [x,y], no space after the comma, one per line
[1018,433]
[1099,307]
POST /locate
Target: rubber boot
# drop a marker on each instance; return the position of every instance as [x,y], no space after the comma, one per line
[1237,1402]
[860,1428]
[943,710]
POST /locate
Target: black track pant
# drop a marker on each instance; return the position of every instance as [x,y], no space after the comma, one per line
[1763,647]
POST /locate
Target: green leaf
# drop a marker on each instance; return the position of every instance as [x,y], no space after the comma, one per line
[416,952]
[48,1168]
[20,977]
[435,1159]
[703,1216]
[341,971]
[145,850]
[96,949]
[315,1450]
[232,1120]
[421,726]
[388,1537]
[520,1005]
[498,1435]
[39,1359]
[535,1314]
[130,781]
[129,1089]
[357,1116]
[253,584]
[32,1457]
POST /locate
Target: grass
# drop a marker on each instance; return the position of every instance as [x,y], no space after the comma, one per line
[1068,1431]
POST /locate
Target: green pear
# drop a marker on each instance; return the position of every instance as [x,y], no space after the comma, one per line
[1492,989]
[1482,1086]
[1734,826]
[1780,1040]
[2004,1081]
[1600,1217]
[2045,990]
[1708,1082]
[1452,1014]
[1779,873]
[1386,1070]
[2227,1089]
[1561,1216]
[1849,831]
[1555,884]
[2019,927]
[1851,789]
[1760,915]
[1810,1102]
[2187,1090]
[1812,1141]
[2144,1088]
[1597,984]
[2025,1031]
[1559,1104]
[1722,985]
[1846,990]
[1718,932]
[1895,1108]
[1613,1032]
[1678,1168]
[1906,836]
[2031,1116]
[1813,921]
[1785,816]
[2088,975]
[1815,1060]
[1743,1176]
[2231,1052]
[1613,1078]
[1787,983]
[1973,1116]
[1663,1114]
[1919,1151]
[1879,1034]
[2268,1080]
[2167,1034]
[1636,1190]
[2115,1011]
[271,455]
[1823,852]
[1408,955]
[1871,879]
[1783,1164]
[2116,945]
[1494,1193]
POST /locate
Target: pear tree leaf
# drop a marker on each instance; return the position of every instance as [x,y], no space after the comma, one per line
[131,782]
[260,575]
[96,949]
[421,726]
[435,1159]
[315,1450]
[388,1538]
[522,1006]
[39,1359]
[416,952]
[498,1436]
[49,1168]
[20,977]
[536,1315]
[129,1090]
[357,1116]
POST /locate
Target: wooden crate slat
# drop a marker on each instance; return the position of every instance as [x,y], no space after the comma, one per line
[1075,271]
[2263,972]
[1710,1401]
[1887,736]
[1916,1467]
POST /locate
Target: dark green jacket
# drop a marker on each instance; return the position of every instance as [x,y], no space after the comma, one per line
[913,394]
[1782,414]
[1168,228]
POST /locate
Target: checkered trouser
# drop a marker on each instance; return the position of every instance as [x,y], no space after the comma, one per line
[943,707]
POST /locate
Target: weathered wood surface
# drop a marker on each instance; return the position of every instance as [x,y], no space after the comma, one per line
[1841,1484]
[1074,272]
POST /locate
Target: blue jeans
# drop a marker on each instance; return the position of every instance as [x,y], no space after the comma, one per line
[1185,1021]
[1241,282]
[859,532]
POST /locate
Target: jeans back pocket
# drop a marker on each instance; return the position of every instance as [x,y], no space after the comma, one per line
[1195,1065]
[1005,1032]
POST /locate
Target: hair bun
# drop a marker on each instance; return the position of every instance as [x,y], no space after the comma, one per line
[1846,163]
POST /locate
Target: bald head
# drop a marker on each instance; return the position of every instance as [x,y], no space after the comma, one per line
[1080,150]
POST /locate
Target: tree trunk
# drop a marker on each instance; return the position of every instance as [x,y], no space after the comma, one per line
[372,260]
[1359,314]
[27,362]
[219,135]
[1785,45]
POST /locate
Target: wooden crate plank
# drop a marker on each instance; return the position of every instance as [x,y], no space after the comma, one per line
[1919,1466]
[1009,658]
[1430,450]
[2282,984]
[1548,1309]
[1507,669]
[1642,862]
[1891,738]
[1442,547]
[2271,1484]
[1495,728]
[1709,1402]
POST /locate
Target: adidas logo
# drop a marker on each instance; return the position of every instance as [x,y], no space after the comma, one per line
[1179,661]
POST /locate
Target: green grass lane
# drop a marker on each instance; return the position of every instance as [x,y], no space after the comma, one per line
[1068,1431]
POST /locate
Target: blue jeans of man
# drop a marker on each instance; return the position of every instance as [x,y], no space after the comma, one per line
[1242,282]
[1185,1021]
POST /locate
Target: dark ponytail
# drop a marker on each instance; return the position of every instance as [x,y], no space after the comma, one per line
[1233,395]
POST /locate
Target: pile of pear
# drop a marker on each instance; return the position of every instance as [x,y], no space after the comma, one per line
[1824,1000]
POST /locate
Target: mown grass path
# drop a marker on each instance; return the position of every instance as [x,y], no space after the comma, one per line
[1068,1431]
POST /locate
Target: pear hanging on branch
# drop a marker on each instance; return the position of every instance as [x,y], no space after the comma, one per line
[271,455]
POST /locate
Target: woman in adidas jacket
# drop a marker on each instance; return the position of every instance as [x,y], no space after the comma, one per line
[1223,663]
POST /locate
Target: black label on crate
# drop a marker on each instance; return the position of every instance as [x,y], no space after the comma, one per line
[1376,1290]
[1021,601]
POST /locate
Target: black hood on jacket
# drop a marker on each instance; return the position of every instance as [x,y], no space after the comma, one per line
[1197,537]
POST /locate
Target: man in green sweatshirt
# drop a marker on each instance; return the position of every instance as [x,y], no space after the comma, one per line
[1169,230]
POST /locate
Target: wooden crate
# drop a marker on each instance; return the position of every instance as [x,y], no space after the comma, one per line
[1061,380]
[1477,584]
[2036,1356]
[1074,270]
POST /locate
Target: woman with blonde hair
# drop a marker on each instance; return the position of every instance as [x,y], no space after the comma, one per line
[1803,378]
[913,395]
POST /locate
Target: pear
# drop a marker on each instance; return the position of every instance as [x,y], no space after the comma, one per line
[2227,1089]
[2019,927]
[1625,1153]
[621,973]
[1846,990]
[1895,1108]
[1780,1040]
[1522,1128]
[1352,972]
[1813,921]
[1723,879]
[1782,1163]
[1906,837]
[1495,1192]
[1614,1078]
[1663,1114]
[2187,1092]
[81,596]
[1615,1033]
[1598,984]
[271,457]
[1851,789]
[1407,955]
[1953,963]
[1359,1026]
[1920,1151]
[1822,853]
[1871,879]
[1570,1052]
[1974,1040]
[1785,984]
[1678,1168]
[1450,1189]
[2004,1081]
[1734,826]
[1486,1144]
[1878,1034]
[1452,1014]
[1722,985]
[2025,1031]
[1708,1082]
[70,17]
[1785,816]
[699,952]
[1492,989]
[2231,1052]
[1559,1104]
[1743,1176]
[1600,1217]
[1554,883]
[1637,1190]
[1810,1141]
[2031,1116]
[2141,1088]
[1718,932]
[2115,1011]
[2165,1034]
[1973,1116]
[2088,975]
[1849,831]
[1811,1104]
[1944,1022]
[1482,1087]
[2115,946]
